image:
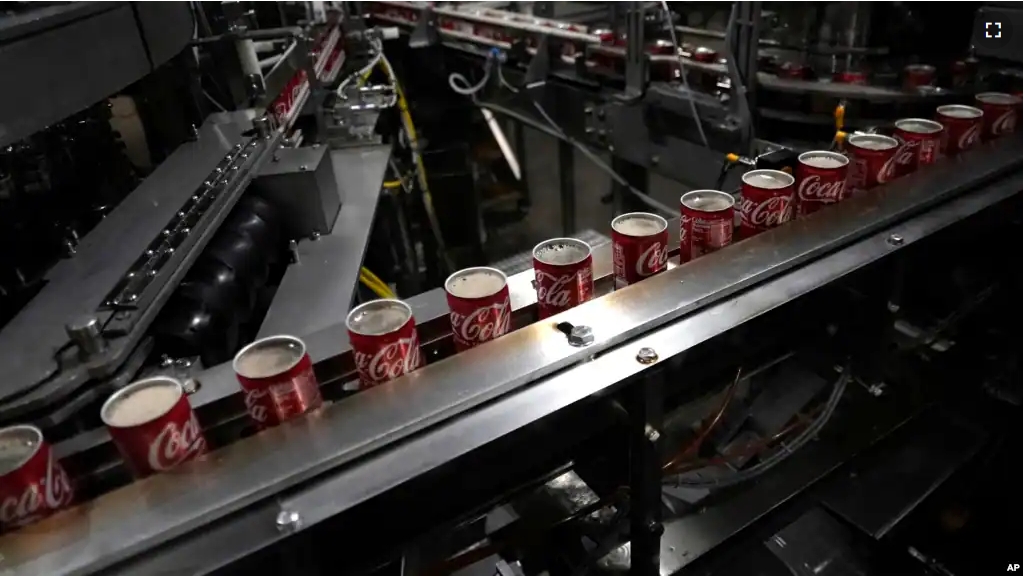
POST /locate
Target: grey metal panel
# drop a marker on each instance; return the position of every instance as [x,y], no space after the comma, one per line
[78,285]
[73,67]
[167,28]
[255,528]
[317,292]
[38,19]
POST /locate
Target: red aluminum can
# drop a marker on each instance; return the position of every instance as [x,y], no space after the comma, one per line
[276,376]
[33,484]
[919,143]
[384,341]
[479,304]
[872,160]
[821,180]
[1000,114]
[705,55]
[767,201]
[961,127]
[793,71]
[153,425]
[639,247]
[916,75]
[563,270]
[850,77]
[705,223]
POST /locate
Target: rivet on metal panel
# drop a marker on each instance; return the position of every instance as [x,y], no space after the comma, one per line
[647,356]
[894,240]
[581,336]
[315,235]
[191,386]
[275,158]
[303,168]
[238,146]
[288,521]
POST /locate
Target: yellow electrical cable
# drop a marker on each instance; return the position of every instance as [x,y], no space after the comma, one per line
[374,288]
[371,281]
[421,171]
[369,274]
[390,184]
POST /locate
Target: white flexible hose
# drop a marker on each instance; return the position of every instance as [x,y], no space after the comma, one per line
[460,85]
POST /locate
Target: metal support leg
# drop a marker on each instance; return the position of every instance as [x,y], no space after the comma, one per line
[645,528]
[567,186]
[519,138]
[636,59]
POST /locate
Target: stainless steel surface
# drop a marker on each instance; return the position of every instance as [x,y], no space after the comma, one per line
[77,286]
[168,506]
[317,292]
[330,495]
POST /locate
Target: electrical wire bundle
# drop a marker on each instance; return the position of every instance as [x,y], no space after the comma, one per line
[785,450]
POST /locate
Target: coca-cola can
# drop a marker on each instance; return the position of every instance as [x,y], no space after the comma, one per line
[821,180]
[705,223]
[639,247]
[872,160]
[919,143]
[563,270]
[384,341]
[850,77]
[479,304]
[277,379]
[961,127]
[33,484]
[767,201]
[999,114]
[916,75]
[153,426]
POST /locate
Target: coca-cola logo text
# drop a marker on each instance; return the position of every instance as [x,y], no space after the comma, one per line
[812,189]
[969,136]
[484,323]
[773,211]
[652,259]
[397,358]
[554,290]
[49,493]
[887,170]
[174,445]
[254,404]
[1005,124]
[906,153]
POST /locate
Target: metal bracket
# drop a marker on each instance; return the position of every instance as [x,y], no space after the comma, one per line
[540,64]
[425,32]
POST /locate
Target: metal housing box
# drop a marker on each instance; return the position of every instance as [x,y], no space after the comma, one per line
[300,182]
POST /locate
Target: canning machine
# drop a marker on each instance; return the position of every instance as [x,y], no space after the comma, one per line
[837,393]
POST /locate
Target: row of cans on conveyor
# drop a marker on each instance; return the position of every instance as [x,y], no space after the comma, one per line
[155,429]
[822,177]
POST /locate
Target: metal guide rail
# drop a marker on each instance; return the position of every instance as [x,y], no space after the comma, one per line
[488,28]
[246,474]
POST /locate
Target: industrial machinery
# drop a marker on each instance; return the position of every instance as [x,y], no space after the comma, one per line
[839,394]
